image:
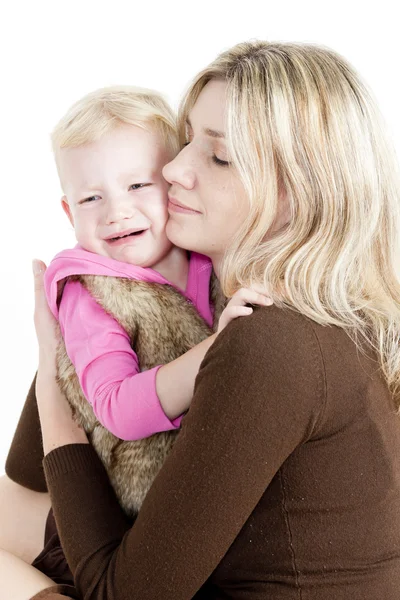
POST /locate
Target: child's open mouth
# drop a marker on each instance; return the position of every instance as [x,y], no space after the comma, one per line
[124,236]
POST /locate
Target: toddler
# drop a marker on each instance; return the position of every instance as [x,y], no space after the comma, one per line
[110,149]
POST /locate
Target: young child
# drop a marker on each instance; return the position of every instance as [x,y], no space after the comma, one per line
[110,149]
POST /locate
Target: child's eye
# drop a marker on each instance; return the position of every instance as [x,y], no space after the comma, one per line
[137,186]
[90,199]
[218,161]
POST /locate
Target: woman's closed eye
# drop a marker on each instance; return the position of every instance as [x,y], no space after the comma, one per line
[220,162]
[215,159]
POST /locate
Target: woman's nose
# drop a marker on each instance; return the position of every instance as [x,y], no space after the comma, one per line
[180,170]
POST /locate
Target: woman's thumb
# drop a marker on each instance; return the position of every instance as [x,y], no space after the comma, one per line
[38,268]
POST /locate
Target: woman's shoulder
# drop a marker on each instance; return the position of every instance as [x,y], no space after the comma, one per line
[273,328]
[269,363]
[272,342]
[294,362]
[299,343]
[322,361]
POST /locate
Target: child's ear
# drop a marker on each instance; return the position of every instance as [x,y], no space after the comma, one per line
[67,209]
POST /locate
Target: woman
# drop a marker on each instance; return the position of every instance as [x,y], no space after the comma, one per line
[284,482]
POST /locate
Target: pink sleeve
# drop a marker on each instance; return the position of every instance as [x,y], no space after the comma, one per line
[124,399]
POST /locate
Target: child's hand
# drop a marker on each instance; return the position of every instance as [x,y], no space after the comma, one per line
[236,306]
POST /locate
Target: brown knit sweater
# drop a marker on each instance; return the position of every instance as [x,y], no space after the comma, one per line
[284,483]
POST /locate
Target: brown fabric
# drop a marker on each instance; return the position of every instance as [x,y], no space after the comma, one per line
[51,561]
[24,460]
[57,592]
[284,482]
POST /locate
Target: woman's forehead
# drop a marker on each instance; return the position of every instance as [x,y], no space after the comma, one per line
[209,111]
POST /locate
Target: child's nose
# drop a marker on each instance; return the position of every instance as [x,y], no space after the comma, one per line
[118,210]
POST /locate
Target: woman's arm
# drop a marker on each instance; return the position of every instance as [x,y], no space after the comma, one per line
[173,383]
[25,457]
[248,414]
[57,424]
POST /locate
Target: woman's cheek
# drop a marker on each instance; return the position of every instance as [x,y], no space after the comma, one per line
[174,231]
[184,235]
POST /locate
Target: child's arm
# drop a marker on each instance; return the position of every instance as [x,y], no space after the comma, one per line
[175,381]
[124,400]
[129,403]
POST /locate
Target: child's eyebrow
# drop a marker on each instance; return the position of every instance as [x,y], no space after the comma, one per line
[211,132]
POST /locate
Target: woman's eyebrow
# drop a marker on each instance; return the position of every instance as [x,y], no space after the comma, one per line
[211,132]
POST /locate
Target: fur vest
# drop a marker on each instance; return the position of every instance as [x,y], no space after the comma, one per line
[162,325]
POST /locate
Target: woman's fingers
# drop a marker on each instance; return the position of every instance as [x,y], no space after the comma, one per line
[38,268]
[45,323]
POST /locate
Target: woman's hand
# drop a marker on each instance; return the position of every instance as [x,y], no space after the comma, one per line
[46,333]
[58,426]
[45,323]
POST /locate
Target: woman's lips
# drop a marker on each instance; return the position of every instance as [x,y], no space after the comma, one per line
[176,206]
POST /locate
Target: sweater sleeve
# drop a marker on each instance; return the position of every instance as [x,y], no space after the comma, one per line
[25,457]
[250,411]
[124,400]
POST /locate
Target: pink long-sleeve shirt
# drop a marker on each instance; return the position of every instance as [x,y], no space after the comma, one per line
[124,399]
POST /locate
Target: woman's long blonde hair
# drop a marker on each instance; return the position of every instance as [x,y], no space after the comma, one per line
[301,121]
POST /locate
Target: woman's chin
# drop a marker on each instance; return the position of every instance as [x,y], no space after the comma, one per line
[179,235]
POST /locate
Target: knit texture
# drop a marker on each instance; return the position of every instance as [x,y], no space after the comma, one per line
[283,484]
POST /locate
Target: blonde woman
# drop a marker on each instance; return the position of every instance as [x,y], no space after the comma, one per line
[285,481]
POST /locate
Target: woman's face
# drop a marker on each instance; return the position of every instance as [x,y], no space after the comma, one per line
[207,202]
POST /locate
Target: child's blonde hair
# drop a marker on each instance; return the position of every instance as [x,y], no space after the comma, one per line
[100,111]
[300,119]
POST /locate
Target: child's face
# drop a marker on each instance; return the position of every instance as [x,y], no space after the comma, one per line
[114,188]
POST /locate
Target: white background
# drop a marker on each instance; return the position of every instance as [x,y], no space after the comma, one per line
[51,53]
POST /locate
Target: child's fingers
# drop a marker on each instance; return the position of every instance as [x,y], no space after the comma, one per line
[250,296]
[238,310]
[261,289]
[257,287]
[233,312]
[238,305]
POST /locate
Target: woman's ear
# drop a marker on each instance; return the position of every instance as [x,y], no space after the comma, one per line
[67,209]
[284,213]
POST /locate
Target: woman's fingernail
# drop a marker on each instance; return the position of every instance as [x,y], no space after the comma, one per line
[36,267]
